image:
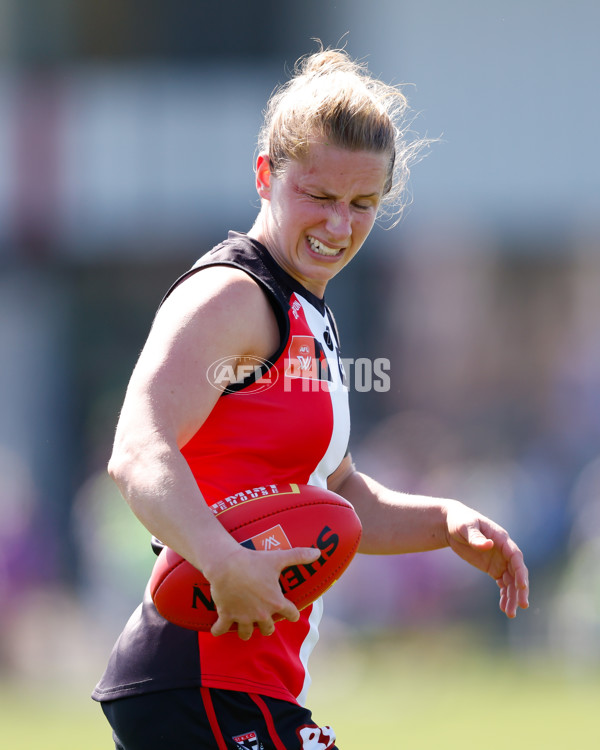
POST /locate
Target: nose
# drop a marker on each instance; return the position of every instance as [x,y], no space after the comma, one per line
[339,223]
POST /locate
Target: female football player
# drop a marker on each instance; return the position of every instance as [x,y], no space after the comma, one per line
[331,158]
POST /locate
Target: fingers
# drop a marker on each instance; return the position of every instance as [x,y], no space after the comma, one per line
[514,587]
[508,599]
[244,628]
[479,540]
[289,611]
[298,556]
[264,602]
[265,626]
[220,627]
[516,578]
[510,569]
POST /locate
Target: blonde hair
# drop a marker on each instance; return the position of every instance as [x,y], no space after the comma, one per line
[332,96]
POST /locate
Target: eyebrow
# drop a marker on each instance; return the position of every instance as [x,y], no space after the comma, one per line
[327,194]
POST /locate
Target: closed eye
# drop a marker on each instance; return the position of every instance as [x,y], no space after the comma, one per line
[359,205]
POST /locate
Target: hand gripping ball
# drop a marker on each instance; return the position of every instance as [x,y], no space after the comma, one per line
[274,516]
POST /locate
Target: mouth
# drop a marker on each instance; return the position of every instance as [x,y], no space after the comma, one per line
[320,248]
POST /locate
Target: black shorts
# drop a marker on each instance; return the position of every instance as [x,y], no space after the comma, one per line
[209,719]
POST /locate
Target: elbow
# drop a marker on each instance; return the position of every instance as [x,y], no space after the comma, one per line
[130,477]
[125,473]
[139,467]
[116,469]
[120,467]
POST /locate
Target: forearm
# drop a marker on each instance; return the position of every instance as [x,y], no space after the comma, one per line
[245,588]
[393,522]
[158,485]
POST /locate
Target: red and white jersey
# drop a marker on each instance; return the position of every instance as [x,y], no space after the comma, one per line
[287,421]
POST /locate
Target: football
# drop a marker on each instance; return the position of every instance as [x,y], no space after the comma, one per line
[273,516]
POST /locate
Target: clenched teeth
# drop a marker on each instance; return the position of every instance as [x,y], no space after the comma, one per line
[322,249]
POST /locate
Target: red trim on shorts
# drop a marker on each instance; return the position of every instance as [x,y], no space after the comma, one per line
[268,721]
[212,718]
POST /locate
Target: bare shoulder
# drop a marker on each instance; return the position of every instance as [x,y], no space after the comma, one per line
[216,287]
[218,312]
[222,303]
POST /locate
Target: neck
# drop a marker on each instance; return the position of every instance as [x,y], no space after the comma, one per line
[258,230]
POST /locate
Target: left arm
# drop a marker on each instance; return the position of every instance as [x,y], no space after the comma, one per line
[396,523]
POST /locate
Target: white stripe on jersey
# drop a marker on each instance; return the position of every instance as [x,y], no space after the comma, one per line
[308,645]
[338,444]
[332,458]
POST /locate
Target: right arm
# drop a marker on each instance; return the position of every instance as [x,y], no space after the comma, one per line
[217,312]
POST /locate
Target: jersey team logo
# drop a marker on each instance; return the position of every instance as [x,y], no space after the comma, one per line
[248,741]
[270,539]
[306,359]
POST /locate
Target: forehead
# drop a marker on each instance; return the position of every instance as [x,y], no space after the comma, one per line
[339,170]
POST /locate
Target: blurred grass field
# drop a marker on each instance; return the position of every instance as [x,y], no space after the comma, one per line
[431,691]
[393,692]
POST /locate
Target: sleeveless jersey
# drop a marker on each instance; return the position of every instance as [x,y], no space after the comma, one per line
[286,421]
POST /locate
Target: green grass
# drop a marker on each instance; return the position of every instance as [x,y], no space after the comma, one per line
[423,695]
[397,692]
[51,719]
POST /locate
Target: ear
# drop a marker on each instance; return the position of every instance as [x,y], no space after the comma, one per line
[263,176]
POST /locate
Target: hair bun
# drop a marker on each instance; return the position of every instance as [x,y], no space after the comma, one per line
[325,62]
